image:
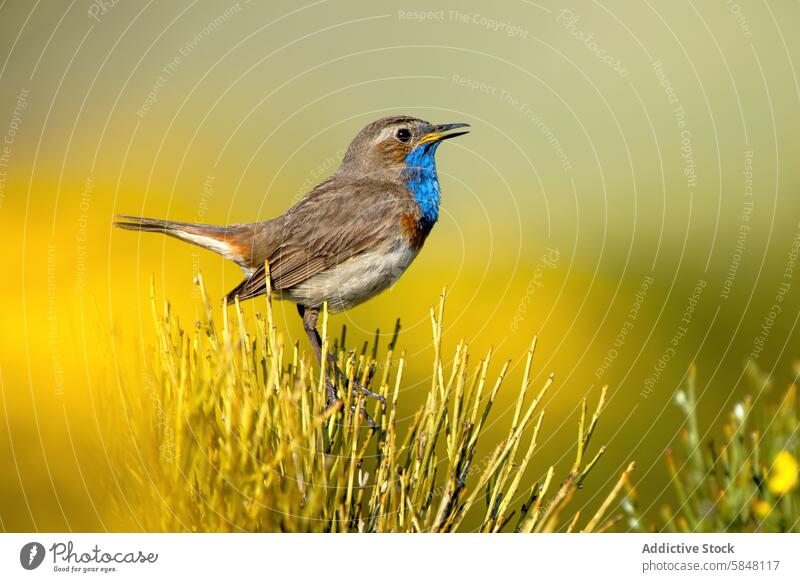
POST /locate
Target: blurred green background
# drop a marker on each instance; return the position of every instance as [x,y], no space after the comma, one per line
[629,193]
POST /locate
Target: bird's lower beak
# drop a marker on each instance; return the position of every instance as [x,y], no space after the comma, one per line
[442,132]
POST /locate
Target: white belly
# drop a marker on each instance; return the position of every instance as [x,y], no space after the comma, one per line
[355,280]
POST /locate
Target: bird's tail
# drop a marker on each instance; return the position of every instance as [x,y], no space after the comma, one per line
[234,242]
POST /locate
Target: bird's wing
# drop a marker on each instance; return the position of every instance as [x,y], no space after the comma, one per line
[330,225]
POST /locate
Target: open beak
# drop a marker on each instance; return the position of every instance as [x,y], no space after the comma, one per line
[442,132]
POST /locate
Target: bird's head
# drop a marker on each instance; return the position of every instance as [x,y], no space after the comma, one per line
[393,143]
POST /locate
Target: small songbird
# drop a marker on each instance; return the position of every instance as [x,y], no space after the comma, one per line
[349,238]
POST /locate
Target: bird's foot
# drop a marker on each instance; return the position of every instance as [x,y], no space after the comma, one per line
[358,387]
[332,397]
[365,414]
[368,393]
[355,410]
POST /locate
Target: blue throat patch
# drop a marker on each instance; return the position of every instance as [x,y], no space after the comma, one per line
[423,182]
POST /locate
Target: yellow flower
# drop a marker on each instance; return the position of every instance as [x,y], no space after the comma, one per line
[783,475]
[761,508]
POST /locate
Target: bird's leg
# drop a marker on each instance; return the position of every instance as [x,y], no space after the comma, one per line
[310,316]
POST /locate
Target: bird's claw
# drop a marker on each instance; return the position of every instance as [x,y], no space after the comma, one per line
[354,410]
[368,393]
[367,417]
[332,396]
[357,387]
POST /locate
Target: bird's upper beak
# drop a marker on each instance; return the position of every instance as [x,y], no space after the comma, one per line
[440,132]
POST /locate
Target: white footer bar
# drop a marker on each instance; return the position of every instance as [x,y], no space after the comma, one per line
[390,557]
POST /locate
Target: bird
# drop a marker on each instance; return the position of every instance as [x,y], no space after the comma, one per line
[348,239]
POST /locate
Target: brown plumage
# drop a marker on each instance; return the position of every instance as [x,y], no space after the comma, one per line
[326,228]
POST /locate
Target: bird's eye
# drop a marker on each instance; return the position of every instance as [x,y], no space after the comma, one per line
[403,135]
